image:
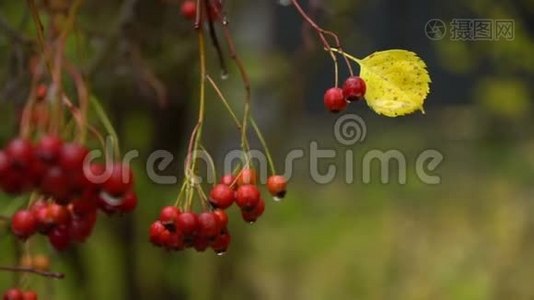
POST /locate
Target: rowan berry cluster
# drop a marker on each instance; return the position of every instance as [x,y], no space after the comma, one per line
[177,229]
[69,196]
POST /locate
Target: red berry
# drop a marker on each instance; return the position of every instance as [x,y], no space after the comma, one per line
[29,295]
[43,219]
[96,174]
[81,227]
[77,182]
[247,176]
[13,294]
[20,152]
[222,217]
[119,181]
[208,225]
[156,232]
[276,185]
[83,206]
[59,238]
[175,241]
[60,215]
[187,223]
[23,224]
[221,243]
[251,216]
[222,196]
[55,183]
[169,215]
[48,150]
[229,180]
[354,88]
[189,9]
[73,156]
[129,202]
[247,196]
[201,243]
[334,100]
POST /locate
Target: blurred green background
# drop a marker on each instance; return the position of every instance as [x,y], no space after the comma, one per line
[469,237]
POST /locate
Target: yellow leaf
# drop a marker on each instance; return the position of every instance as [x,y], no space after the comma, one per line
[397,82]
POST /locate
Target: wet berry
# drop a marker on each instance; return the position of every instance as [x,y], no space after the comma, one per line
[222,196]
[277,185]
[247,196]
[23,224]
[334,100]
[247,176]
[208,225]
[354,88]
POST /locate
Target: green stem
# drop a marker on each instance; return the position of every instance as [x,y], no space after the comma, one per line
[101,113]
[354,59]
[264,144]
[225,102]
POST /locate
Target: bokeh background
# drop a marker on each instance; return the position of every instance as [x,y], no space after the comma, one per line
[469,237]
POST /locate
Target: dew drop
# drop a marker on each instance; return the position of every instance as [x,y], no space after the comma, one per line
[224,75]
[221,253]
[277,199]
[252,222]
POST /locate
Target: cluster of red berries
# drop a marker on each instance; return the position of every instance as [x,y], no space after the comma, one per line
[176,230]
[188,9]
[70,196]
[63,225]
[337,99]
[17,294]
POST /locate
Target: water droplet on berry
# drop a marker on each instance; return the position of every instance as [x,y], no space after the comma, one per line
[221,253]
[252,222]
[277,199]
[225,21]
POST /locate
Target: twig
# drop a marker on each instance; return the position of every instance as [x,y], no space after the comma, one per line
[215,40]
[224,101]
[54,275]
[322,32]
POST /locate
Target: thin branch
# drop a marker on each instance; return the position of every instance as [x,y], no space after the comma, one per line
[322,32]
[54,275]
[215,40]
[224,101]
